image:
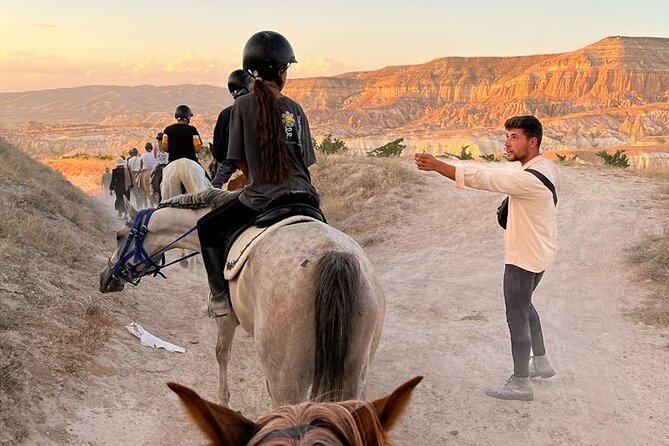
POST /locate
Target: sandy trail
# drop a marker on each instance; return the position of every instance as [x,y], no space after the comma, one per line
[441,267]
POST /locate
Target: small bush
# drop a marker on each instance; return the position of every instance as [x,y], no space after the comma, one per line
[565,158]
[465,154]
[618,159]
[330,146]
[489,157]
[393,148]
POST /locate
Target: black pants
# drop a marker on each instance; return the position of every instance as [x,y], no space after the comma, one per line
[216,228]
[522,318]
[224,171]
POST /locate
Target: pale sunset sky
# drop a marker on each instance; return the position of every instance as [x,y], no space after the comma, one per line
[66,43]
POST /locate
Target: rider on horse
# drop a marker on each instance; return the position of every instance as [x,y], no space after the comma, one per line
[271,143]
[181,140]
[239,84]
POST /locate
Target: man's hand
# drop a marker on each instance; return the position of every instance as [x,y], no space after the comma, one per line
[425,161]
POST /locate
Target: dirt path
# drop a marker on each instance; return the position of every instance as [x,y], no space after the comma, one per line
[442,271]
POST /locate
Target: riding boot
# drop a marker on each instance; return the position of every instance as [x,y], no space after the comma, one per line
[219,296]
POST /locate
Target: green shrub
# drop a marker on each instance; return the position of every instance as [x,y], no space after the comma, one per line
[489,157]
[393,148]
[330,145]
[618,159]
[465,154]
[565,158]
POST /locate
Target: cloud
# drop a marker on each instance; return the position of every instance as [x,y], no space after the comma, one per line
[23,71]
[44,25]
[320,66]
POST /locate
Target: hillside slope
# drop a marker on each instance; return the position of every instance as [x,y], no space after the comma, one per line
[51,240]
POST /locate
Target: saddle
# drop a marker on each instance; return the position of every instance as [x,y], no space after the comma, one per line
[290,208]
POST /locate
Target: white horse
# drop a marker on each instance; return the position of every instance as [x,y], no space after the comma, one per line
[183,176]
[307,293]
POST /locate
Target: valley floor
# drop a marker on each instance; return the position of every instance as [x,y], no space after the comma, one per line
[442,272]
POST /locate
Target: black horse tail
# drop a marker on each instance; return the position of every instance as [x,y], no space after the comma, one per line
[337,291]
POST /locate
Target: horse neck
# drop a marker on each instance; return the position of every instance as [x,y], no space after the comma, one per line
[168,224]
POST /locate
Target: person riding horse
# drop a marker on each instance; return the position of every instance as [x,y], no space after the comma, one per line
[271,143]
[239,84]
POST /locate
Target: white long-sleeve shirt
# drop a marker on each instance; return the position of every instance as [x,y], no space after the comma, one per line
[530,236]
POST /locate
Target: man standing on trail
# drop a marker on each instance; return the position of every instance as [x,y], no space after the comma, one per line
[239,84]
[181,140]
[530,242]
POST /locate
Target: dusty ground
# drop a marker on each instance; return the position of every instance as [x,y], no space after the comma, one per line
[441,266]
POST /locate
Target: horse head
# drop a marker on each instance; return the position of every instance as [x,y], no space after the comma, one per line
[354,423]
[108,282]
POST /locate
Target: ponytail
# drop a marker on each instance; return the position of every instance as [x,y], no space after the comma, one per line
[275,165]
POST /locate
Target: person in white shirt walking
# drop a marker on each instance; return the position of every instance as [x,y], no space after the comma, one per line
[530,242]
[143,181]
[135,166]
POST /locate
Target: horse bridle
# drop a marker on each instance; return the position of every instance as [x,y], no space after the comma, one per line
[130,272]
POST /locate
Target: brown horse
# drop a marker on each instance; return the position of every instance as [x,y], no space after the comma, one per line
[351,423]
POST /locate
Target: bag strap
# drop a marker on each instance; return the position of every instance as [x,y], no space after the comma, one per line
[546,182]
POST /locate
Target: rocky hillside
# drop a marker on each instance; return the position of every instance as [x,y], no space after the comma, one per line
[465,92]
[613,93]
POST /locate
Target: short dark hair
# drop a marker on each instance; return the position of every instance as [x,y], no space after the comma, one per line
[530,126]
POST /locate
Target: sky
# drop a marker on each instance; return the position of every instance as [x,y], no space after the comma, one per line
[53,44]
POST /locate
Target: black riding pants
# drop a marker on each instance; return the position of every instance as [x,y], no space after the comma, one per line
[224,171]
[522,318]
[216,228]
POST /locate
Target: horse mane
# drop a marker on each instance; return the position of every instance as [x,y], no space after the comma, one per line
[209,198]
[335,424]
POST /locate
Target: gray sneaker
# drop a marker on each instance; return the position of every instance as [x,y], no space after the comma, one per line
[514,389]
[540,367]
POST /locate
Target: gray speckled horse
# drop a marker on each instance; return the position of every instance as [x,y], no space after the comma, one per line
[307,293]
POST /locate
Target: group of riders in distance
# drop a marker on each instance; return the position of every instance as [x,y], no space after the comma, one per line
[309,274]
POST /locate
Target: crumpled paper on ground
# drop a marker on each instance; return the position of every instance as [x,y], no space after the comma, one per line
[150,340]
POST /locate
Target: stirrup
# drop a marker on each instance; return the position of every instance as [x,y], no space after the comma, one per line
[219,307]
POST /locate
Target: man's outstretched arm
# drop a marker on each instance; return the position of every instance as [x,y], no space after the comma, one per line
[427,162]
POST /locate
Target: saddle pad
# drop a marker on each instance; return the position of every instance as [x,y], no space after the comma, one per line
[244,244]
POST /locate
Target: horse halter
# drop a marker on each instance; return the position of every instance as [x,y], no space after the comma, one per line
[134,249]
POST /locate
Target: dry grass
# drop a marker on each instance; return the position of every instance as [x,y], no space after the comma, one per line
[651,258]
[360,194]
[50,327]
[86,174]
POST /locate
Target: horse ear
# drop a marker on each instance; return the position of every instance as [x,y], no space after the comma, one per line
[388,409]
[129,209]
[223,426]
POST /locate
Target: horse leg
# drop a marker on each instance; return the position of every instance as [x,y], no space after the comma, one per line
[226,333]
[288,370]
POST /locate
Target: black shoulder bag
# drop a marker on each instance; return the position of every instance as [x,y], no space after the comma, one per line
[503,209]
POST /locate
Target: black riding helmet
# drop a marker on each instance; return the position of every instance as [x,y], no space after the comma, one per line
[183,112]
[265,53]
[238,83]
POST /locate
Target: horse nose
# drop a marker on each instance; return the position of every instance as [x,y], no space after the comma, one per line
[108,283]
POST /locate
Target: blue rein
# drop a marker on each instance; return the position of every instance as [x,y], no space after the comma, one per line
[130,272]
